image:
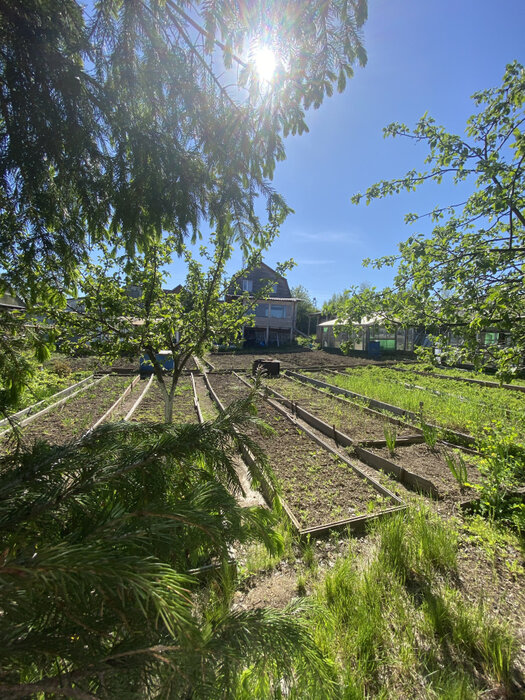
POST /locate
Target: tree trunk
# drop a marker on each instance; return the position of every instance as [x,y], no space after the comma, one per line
[168,407]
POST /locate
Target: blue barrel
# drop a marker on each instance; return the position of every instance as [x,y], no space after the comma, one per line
[164,357]
[374,349]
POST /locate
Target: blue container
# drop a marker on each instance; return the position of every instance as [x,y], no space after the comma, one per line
[164,357]
[374,349]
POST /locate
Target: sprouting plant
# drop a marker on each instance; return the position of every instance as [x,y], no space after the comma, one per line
[458,468]
[308,552]
[390,433]
[430,435]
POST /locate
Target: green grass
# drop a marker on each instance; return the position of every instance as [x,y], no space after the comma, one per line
[464,407]
[44,384]
[463,373]
[395,625]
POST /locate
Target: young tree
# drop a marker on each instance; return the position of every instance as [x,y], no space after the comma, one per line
[467,277]
[123,309]
[305,307]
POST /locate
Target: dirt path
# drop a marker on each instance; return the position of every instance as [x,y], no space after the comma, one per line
[209,411]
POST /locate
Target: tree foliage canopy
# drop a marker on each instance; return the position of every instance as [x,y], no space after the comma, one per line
[305,306]
[134,118]
[467,276]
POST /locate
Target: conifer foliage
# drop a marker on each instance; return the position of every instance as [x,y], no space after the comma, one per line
[142,117]
[100,545]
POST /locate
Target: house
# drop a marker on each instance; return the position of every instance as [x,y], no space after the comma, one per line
[9,302]
[274,316]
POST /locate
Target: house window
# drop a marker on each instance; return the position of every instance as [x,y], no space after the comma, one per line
[247,285]
[278,311]
[261,310]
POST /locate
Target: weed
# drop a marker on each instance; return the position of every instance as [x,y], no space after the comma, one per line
[393,620]
[390,433]
[458,468]
[502,468]
[430,435]
[308,551]
[416,543]
[258,558]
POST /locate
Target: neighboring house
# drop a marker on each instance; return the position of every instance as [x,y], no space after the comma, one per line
[11,303]
[274,316]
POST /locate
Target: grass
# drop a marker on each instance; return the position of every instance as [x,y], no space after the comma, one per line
[257,559]
[44,384]
[464,407]
[395,625]
[463,373]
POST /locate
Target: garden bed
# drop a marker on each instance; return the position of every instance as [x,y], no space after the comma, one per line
[430,464]
[461,407]
[409,416]
[76,416]
[320,489]
[519,384]
[358,423]
[35,408]
[292,359]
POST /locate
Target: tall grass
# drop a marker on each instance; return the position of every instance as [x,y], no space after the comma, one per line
[396,626]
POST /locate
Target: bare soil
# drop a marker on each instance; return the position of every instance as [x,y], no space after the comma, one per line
[431,464]
[318,487]
[289,359]
[349,419]
[125,406]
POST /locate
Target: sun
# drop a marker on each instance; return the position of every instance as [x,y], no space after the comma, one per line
[265,63]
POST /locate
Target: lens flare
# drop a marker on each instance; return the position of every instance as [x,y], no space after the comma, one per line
[265,63]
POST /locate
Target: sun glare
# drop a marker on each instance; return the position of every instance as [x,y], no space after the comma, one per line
[265,63]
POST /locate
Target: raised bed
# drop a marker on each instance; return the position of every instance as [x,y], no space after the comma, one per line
[342,417]
[191,365]
[37,407]
[119,403]
[70,420]
[321,489]
[305,359]
[421,468]
[467,380]
[463,408]
[414,464]
[453,436]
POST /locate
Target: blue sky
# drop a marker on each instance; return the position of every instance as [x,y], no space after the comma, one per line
[423,56]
